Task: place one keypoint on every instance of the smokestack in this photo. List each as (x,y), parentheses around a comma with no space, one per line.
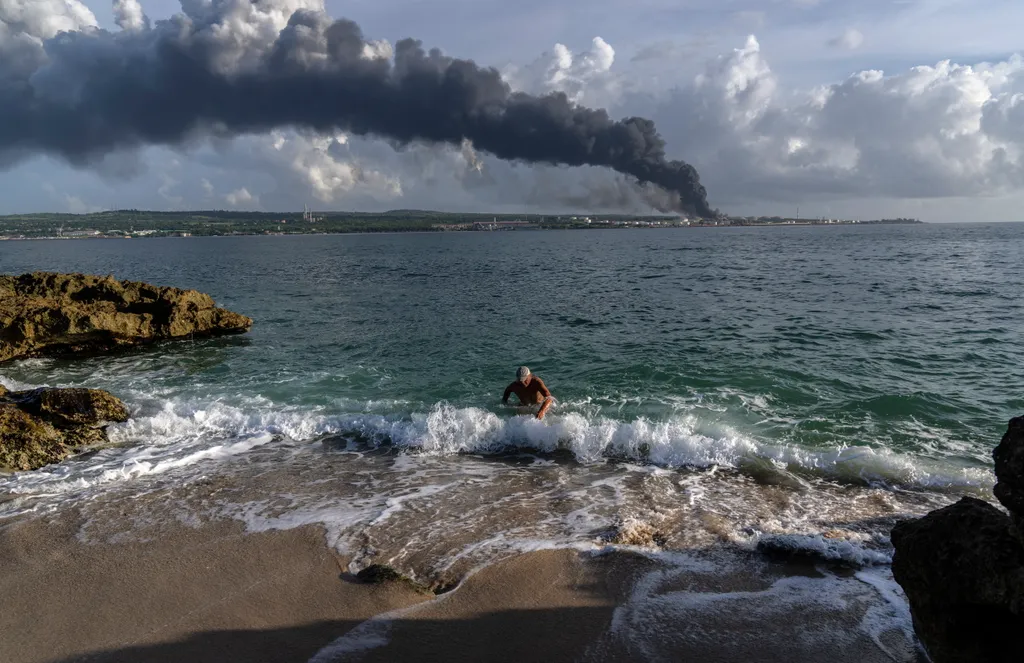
(97,91)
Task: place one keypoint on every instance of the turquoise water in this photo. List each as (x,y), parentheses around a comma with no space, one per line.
(904,338)
(885,358)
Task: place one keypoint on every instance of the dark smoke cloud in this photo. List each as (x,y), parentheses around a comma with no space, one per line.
(101,91)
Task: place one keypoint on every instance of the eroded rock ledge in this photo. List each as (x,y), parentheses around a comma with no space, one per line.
(50,314)
(44,426)
(962,568)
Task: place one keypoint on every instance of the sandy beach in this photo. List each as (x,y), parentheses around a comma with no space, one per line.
(214,593)
(192,594)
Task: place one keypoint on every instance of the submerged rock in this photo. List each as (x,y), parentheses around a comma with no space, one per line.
(636,533)
(50,314)
(44,426)
(962,568)
(376,574)
(381,574)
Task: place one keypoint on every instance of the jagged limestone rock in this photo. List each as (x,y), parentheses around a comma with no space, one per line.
(27,442)
(50,314)
(962,568)
(44,426)
(69,408)
(1009,458)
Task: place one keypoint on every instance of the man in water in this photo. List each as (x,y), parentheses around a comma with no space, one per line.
(531,390)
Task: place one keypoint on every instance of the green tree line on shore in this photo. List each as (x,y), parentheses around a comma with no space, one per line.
(222,222)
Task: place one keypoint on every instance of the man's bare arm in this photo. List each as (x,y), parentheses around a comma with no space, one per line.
(508,392)
(548,400)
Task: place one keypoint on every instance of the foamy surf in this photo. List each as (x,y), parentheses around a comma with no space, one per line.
(120,465)
(687,604)
(182,433)
(456,487)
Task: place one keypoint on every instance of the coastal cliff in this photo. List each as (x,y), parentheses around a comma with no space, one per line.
(962,568)
(50,314)
(44,426)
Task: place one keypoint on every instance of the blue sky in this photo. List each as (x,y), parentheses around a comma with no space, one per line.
(770,122)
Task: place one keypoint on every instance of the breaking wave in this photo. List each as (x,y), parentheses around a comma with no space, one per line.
(179,433)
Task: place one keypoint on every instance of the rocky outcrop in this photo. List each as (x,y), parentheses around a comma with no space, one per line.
(962,568)
(44,426)
(48,314)
(1009,489)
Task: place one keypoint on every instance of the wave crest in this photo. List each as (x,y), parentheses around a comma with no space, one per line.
(174,434)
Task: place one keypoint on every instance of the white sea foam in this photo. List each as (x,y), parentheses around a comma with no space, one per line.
(340,521)
(15,385)
(649,623)
(371,634)
(421,507)
(894,613)
(394,504)
(677,442)
(121,464)
(192,420)
(818,547)
(183,432)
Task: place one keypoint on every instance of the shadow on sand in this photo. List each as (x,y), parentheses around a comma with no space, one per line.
(561,634)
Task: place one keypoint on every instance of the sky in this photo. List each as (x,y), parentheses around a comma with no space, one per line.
(877,108)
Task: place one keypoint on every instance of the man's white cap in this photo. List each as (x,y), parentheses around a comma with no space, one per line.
(522,372)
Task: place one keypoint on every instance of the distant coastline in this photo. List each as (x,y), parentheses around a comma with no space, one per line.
(130,224)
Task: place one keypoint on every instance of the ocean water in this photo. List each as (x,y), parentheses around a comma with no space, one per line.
(803,385)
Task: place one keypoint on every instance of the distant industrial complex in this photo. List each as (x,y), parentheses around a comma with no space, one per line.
(127,224)
(546,223)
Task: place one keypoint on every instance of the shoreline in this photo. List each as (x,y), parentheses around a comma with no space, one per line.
(443,232)
(212,592)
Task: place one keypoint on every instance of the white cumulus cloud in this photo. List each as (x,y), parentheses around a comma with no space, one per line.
(128,15)
(26,24)
(322,167)
(240,197)
(44,18)
(932,131)
(580,76)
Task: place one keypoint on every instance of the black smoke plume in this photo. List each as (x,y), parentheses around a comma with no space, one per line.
(100,91)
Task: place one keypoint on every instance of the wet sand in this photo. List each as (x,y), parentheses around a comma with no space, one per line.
(214,593)
(206,594)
